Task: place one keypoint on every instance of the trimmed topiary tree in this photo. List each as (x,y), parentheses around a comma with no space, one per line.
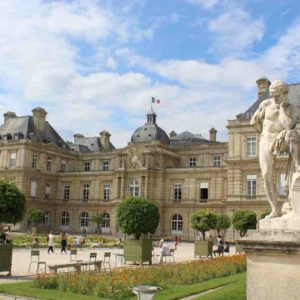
(137,216)
(12,203)
(36,217)
(223,222)
(243,220)
(203,220)
(98,219)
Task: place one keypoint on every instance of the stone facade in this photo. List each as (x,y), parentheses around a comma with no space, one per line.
(180,172)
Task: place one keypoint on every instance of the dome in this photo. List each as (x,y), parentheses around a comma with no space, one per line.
(150,131)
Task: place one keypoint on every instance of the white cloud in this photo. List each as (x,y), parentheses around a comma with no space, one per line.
(206,4)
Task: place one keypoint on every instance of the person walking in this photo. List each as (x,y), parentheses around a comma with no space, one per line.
(63,243)
(50,240)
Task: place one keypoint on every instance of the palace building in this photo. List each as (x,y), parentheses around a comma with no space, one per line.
(181,172)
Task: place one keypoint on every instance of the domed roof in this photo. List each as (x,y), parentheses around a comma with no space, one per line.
(150,131)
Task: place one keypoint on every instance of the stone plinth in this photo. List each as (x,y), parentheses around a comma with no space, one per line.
(273,264)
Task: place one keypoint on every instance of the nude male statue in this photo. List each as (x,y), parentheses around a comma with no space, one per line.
(276,120)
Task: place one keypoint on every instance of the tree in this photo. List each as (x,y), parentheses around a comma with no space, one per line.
(243,220)
(223,222)
(264,214)
(97,219)
(137,216)
(12,203)
(36,216)
(203,220)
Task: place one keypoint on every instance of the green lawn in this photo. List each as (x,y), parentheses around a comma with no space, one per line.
(233,288)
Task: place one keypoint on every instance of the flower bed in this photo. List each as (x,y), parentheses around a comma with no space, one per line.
(115,284)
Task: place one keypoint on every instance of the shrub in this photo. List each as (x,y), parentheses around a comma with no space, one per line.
(203,220)
(243,220)
(137,216)
(12,203)
(223,222)
(36,216)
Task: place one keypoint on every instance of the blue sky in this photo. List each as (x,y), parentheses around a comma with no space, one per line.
(94,65)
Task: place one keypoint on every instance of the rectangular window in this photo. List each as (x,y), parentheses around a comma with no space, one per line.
(12,160)
(49,163)
(86,192)
(203,192)
(251,185)
(105,166)
(177,192)
(282,184)
(66,192)
(63,165)
(192,162)
(33,189)
(47,191)
(34,161)
(87,165)
(106,191)
(217,161)
(134,188)
(251,146)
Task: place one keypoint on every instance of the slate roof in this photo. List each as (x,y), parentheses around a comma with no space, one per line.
(89,144)
(188,138)
(23,127)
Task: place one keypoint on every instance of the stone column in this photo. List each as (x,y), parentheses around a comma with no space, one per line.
(122,188)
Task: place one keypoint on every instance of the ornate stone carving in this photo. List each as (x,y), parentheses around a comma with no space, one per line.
(136,159)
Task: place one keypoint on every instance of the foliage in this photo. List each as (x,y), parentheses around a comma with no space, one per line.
(12,203)
(203,220)
(243,220)
(97,219)
(137,216)
(116,283)
(264,214)
(36,216)
(223,222)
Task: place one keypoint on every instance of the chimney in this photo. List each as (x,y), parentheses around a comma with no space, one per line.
(39,118)
(172,134)
(9,115)
(213,135)
(104,139)
(263,84)
(77,138)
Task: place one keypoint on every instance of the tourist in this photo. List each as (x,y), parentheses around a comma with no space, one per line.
(165,250)
(176,240)
(63,243)
(160,243)
(220,248)
(35,244)
(50,240)
(8,238)
(226,247)
(2,237)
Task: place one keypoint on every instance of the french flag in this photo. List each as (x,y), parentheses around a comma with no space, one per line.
(154,100)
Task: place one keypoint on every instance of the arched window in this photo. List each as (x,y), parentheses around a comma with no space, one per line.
(47,218)
(84,219)
(106,221)
(65,219)
(177,223)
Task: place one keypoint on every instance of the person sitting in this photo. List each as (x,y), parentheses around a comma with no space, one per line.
(165,250)
(35,244)
(226,247)
(119,243)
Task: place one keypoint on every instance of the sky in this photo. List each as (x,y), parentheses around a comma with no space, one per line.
(94,65)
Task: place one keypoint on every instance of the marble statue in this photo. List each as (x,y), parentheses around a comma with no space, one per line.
(276,120)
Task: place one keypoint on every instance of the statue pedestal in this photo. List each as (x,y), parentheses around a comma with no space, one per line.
(273,264)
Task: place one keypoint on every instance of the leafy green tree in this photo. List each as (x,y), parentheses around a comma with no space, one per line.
(97,219)
(264,214)
(203,220)
(12,203)
(137,216)
(36,217)
(243,220)
(223,222)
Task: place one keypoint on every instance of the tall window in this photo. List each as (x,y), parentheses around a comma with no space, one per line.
(49,163)
(87,166)
(106,191)
(86,192)
(282,184)
(63,166)
(33,187)
(84,219)
(192,162)
(203,192)
(251,146)
(46,218)
(177,191)
(47,191)
(134,188)
(34,161)
(177,223)
(65,219)
(66,192)
(105,221)
(217,161)
(251,185)
(105,166)
(12,160)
